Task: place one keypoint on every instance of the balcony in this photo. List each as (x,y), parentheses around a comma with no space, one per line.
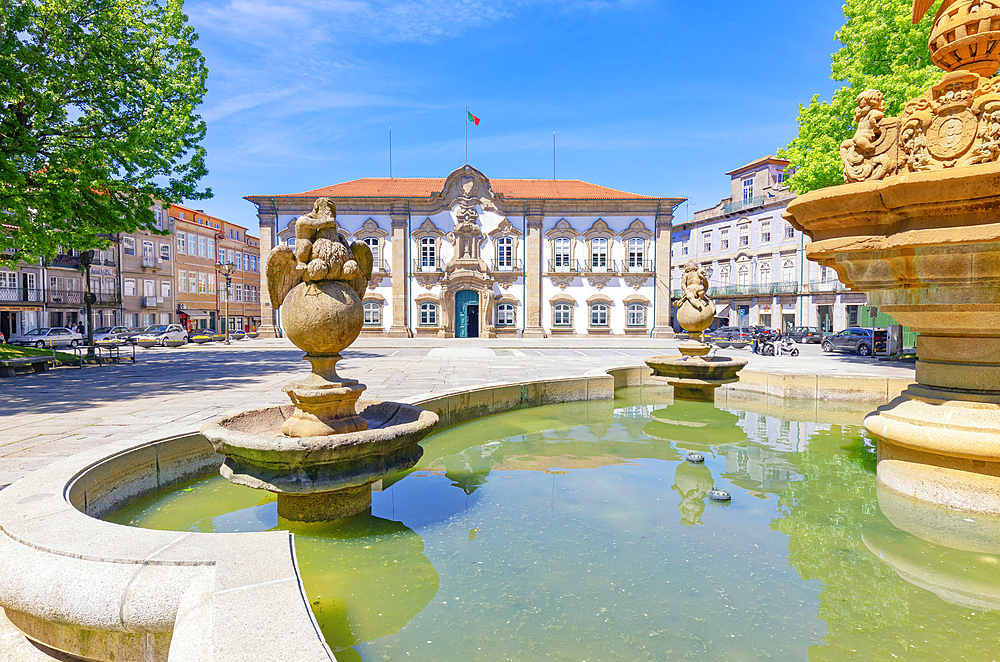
(21,295)
(829,285)
(755,289)
(64,297)
(107,298)
(566,266)
(152,302)
(739,205)
(428,266)
(381,267)
(636,267)
(509,266)
(149,262)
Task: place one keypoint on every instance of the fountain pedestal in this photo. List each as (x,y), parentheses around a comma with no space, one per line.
(695,375)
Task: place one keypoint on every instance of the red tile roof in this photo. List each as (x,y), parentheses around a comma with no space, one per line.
(767,160)
(420,187)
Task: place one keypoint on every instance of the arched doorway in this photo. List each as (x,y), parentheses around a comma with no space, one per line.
(467,314)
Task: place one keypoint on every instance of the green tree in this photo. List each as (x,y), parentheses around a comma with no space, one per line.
(97,119)
(882,50)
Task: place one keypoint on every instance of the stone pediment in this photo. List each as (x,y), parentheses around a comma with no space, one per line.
(467,187)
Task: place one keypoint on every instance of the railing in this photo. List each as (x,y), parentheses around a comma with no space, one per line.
(428,266)
(747,290)
(637,267)
(566,266)
(830,285)
(22,294)
(71,297)
(381,267)
(609,267)
(150,302)
(511,266)
(148,262)
(107,298)
(755,201)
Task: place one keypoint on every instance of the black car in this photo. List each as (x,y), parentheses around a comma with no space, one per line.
(729,336)
(856,339)
(805,334)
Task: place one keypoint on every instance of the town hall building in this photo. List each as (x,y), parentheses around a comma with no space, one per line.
(466,256)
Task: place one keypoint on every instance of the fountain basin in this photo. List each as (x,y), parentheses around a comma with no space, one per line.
(695,377)
(325,477)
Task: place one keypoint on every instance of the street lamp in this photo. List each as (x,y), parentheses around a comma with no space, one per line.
(227,270)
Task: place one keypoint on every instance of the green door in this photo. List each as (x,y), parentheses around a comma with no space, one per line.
(467,314)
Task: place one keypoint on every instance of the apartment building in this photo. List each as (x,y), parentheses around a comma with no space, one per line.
(195,235)
(147,274)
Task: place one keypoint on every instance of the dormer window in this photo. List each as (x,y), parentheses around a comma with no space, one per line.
(748,189)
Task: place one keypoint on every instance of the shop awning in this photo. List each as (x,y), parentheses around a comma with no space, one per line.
(10,308)
(196,314)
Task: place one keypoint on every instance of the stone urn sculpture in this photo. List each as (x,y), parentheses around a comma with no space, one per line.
(916,228)
(695,375)
(322,453)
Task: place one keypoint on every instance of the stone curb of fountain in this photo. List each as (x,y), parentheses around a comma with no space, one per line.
(192,591)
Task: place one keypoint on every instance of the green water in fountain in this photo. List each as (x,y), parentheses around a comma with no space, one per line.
(579,532)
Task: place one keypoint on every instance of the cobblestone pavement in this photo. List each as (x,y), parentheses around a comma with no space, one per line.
(170,391)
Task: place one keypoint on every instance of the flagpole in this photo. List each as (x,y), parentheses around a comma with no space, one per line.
(390,152)
(466,135)
(553,155)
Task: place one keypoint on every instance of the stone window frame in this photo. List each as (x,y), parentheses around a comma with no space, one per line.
(506,301)
(508,230)
(638,230)
(428,229)
(428,298)
(706,242)
(636,300)
(724,238)
(563,229)
(764,225)
(600,230)
(743,228)
(762,267)
(596,300)
(372,298)
(563,299)
(370,230)
(787,259)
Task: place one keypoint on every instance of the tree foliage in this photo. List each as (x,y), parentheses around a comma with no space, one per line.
(97,119)
(881,50)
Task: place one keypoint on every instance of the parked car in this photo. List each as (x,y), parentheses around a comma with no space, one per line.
(856,339)
(47,337)
(111,334)
(134,333)
(202,335)
(163,332)
(805,334)
(729,336)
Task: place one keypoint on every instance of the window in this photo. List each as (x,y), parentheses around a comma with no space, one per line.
(181,242)
(230,257)
(211,248)
(765,232)
(706,242)
(853,315)
(165,289)
(165,252)
(748,189)
(192,280)
(238,259)
(765,273)
(636,314)
(724,239)
(182,214)
(562,315)
(8,280)
(428,312)
(789,231)
(428,254)
(560,257)
(246,293)
(724,274)
(182,281)
(128,245)
(780,177)
(599,314)
(239,293)
(129,286)
(788,270)
(147,252)
(222,255)
(744,233)
(373,312)
(684,247)
(636,254)
(202,283)
(505,253)
(211,283)
(743,273)
(149,288)
(505,313)
(599,254)
(826,274)
(372,243)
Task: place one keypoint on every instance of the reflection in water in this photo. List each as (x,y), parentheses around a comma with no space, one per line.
(553,534)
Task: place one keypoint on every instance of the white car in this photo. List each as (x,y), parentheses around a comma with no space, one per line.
(55,336)
(162,333)
(111,334)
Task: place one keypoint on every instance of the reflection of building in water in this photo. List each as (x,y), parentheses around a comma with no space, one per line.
(792,436)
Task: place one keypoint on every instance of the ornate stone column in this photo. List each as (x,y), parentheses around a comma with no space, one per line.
(533,273)
(400,290)
(664,311)
(268,225)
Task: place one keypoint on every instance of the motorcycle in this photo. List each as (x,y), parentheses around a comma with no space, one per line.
(783,345)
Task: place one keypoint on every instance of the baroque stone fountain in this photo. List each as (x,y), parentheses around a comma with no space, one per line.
(917,227)
(698,372)
(322,453)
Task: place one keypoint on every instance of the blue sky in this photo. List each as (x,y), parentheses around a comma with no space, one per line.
(658,98)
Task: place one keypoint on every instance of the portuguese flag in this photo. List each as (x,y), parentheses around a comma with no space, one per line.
(473,118)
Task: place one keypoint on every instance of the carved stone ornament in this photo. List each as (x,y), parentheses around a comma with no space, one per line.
(599,280)
(506,278)
(428,279)
(635,281)
(695,311)
(376,279)
(562,280)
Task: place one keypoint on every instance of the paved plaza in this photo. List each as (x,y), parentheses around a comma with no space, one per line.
(172,391)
